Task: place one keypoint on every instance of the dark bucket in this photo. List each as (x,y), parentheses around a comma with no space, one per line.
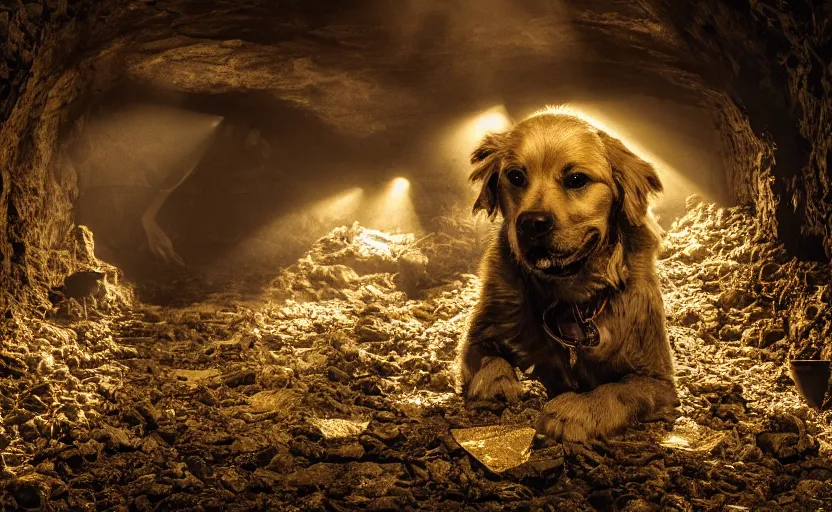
(811,377)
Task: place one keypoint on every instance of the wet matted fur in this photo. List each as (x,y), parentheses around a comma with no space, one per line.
(583,196)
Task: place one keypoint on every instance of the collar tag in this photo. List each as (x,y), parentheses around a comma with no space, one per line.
(573,357)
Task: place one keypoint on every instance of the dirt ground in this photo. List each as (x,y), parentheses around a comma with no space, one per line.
(334,390)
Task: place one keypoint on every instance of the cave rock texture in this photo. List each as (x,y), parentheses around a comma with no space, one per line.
(760,67)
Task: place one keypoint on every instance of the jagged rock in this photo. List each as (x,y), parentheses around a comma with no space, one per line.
(239,377)
(316,477)
(770,336)
(337,375)
(352,451)
(768,271)
(115,438)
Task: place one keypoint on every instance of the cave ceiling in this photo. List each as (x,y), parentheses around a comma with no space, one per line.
(364,67)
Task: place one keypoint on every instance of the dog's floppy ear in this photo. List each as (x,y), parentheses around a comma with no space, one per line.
(486,161)
(636,179)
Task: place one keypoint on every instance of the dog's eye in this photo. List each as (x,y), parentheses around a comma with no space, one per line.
(516,177)
(576,180)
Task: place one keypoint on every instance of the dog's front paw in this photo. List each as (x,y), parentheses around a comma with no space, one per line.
(571,417)
(496,377)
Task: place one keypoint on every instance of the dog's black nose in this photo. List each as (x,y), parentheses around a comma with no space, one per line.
(535,224)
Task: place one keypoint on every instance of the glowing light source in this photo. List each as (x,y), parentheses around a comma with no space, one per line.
(492,120)
(399,187)
(466,134)
(393,210)
(471,131)
(461,138)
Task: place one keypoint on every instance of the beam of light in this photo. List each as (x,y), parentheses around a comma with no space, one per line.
(452,148)
(399,188)
(676,186)
(338,208)
(341,207)
(141,146)
(493,120)
(393,210)
(459,140)
(296,231)
(473,129)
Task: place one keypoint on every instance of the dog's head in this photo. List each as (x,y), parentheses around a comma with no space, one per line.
(566,190)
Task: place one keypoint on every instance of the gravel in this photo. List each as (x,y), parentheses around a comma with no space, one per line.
(335,390)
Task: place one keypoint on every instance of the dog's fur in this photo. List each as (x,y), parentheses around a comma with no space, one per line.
(629,375)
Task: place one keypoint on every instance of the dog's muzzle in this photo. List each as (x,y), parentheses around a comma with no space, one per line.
(534,225)
(560,264)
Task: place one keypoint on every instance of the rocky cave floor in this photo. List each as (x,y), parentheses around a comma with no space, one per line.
(333,390)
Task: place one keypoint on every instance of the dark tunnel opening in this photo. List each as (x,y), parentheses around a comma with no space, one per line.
(240,270)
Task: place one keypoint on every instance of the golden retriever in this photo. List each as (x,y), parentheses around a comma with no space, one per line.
(569,289)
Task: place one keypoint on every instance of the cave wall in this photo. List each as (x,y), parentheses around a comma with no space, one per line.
(35,195)
(762,71)
(53,61)
(770,61)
